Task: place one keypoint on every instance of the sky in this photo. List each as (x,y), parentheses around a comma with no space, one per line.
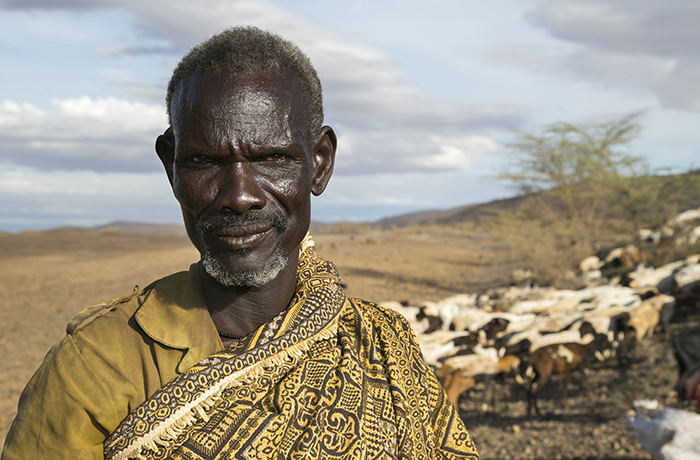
(424,96)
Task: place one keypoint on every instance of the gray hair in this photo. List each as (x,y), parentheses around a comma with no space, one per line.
(273,266)
(249,50)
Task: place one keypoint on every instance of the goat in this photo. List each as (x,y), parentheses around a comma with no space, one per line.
(531,340)
(461,373)
(590,263)
(455,385)
(611,327)
(470,318)
(469,344)
(652,311)
(418,323)
(562,359)
(561,337)
(628,256)
(430,312)
(666,306)
(434,352)
(643,319)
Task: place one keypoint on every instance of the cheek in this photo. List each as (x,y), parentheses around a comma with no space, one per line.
(291,186)
(298,203)
(193,192)
(288,189)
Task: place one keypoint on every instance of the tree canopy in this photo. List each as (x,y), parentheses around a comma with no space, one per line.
(564,155)
(584,191)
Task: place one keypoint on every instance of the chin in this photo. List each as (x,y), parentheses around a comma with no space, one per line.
(254,277)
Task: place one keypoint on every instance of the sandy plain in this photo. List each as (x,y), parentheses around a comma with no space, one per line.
(47,278)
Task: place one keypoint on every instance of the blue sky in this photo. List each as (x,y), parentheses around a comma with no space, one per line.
(424,95)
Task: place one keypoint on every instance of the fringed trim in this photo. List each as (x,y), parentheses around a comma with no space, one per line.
(307,242)
(188,415)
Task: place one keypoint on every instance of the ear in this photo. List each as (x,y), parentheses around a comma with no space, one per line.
(165,148)
(323,160)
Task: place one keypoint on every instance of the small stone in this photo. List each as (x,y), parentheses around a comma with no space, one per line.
(516,428)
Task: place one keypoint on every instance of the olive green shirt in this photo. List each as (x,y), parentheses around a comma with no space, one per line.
(114,356)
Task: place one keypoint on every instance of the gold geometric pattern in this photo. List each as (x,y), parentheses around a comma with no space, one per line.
(329,378)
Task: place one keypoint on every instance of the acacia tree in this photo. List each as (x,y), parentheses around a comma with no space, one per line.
(577,165)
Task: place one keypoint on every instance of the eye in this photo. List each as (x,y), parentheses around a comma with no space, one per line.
(274,156)
(201,159)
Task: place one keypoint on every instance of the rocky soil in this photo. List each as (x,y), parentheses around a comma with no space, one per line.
(588,427)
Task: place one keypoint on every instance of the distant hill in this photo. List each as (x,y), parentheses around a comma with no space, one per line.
(142,227)
(670,193)
(473,213)
(131,227)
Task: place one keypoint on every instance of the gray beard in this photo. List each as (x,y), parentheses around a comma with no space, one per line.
(250,278)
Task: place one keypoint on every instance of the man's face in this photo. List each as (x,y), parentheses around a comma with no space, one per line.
(243,169)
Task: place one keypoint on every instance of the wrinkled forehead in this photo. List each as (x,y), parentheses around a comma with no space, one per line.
(250,105)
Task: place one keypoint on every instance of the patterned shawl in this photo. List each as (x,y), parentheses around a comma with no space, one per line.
(326,378)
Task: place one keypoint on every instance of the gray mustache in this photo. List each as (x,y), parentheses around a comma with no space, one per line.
(247,220)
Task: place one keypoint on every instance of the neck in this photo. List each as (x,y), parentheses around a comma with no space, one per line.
(240,310)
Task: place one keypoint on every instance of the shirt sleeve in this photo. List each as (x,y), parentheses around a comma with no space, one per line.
(63,410)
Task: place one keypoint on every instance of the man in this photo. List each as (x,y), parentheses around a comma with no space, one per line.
(255,352)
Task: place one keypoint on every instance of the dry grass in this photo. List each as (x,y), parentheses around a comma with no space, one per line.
(421,263)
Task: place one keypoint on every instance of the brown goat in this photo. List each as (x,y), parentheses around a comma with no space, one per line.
(562,359)
(457,381)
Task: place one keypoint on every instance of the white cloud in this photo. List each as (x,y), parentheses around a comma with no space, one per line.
(392,150)
(628,70)
(13,114)
(18,181)
(457,153)
(619,68)
(655,27)
(573,13)
(81,133)
(652,45)
(681,87)
(124,114)
(388,122)
(32,198)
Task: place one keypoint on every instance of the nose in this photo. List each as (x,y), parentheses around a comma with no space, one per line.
(239,190)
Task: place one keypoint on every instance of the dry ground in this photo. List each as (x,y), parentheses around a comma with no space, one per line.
(47,278)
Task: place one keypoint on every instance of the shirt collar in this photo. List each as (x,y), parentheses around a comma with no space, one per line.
(173,312)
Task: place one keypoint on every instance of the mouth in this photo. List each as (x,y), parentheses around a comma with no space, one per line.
(240,232)
(236,238)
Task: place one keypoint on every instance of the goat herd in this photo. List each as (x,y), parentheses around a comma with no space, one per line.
(534,333)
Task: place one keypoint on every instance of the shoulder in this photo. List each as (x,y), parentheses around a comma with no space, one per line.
(386,327)
(93,312)
(90,380)
(117,312)
(377,314)
(109,331)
